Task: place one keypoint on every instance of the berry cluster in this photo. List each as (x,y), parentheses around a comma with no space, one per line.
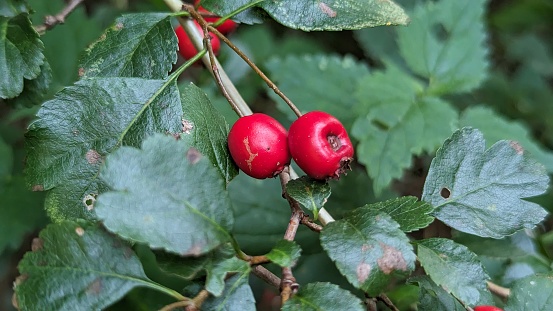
(317,142)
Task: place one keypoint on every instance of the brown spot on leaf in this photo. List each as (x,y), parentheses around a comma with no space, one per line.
(89,201)
(81,72)
(127,252)
(95,287)
(193,155)
(363,271)
(391,260)
(518,148)
(93,157)
(187,126)
(79,231)
(118,26)
(37,244)
(15,304)
(38,188)
(195,250)
(365,248)
(327,10)
(20,279)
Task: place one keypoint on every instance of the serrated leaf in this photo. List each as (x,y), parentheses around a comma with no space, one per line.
(77,266)
(167,195)
(455,268)
(310,193)
(433,297)
(445,44)
(480,191)
(495,128)
(531,293)
(141,45)
(237,296)
(206,129)
(305,81)
(368,248)
(34,90)
(20,54)
(82,124)
(285,253)
(323,297)
(410,213)
(11,8)
(397,123)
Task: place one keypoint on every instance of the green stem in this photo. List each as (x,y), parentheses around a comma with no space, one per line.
(237,11)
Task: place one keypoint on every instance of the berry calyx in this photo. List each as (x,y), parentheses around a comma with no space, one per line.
(320,145)
(258,145)
(487,308)
(187,48)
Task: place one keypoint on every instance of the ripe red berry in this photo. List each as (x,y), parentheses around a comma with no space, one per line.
(320,145)
(186,47)
(258,145)
(487,308)
(225,28)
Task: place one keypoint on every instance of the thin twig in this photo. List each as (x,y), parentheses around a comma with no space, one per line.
(50,21)
(258,71)
(308,222)
(266,276)
(387,302)
(499,291)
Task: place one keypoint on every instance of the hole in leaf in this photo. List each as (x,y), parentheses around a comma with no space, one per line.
(441,33)
(445,193)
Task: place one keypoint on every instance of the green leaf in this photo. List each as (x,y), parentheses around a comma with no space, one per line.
(517,245)
(34,90)
(78,266)
(250,16)
(140,45)
(285,253)
(495,128)
(433,297)
(397,123)
(206,129)
(455,268)
(21,211)
(305,81)
(531,293)
(20,54)
(369,249)
(167,195)
(215,282)
(445,44)
(237,296)
(480,191)
(408,212)
(82,124)
(310,193)
(11,8)
(323,297)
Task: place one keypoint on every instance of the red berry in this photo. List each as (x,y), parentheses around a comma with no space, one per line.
(258,145)
(186,47)
(487,308)
(225,28)
(320,145)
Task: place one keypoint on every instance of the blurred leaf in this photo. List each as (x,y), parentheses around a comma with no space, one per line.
(82,124)
(379,43)
(206,129)
(397,123)
(11,8)
(34,90)
(368,248)
(310,193)
(480,191)
(141,45)
(323,297)
(433,297)
(78,266)
(523,267)
(408,212)
(215,282)
(455,268)
(445,43)
(285,253)
(237,296)
(330,15)
(167,195)
(305,81)
(6,160)
(20,54)
(496,128)
(21,212)
(532,51)
(532,293)
(514,246)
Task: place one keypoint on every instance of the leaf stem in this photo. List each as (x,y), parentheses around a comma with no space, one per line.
(499,291)
(50,21)
(178,304)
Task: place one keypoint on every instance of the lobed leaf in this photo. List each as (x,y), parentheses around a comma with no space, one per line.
(368,248)
(35,90)
(237,296)
(481,191)
(167,195)
(285,253)
(455,268)
(408,212)
(433,297)
(445,44)
(141,45)
(323,297)
(310,193)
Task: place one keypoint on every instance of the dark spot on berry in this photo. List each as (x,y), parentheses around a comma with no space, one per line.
(334,142)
